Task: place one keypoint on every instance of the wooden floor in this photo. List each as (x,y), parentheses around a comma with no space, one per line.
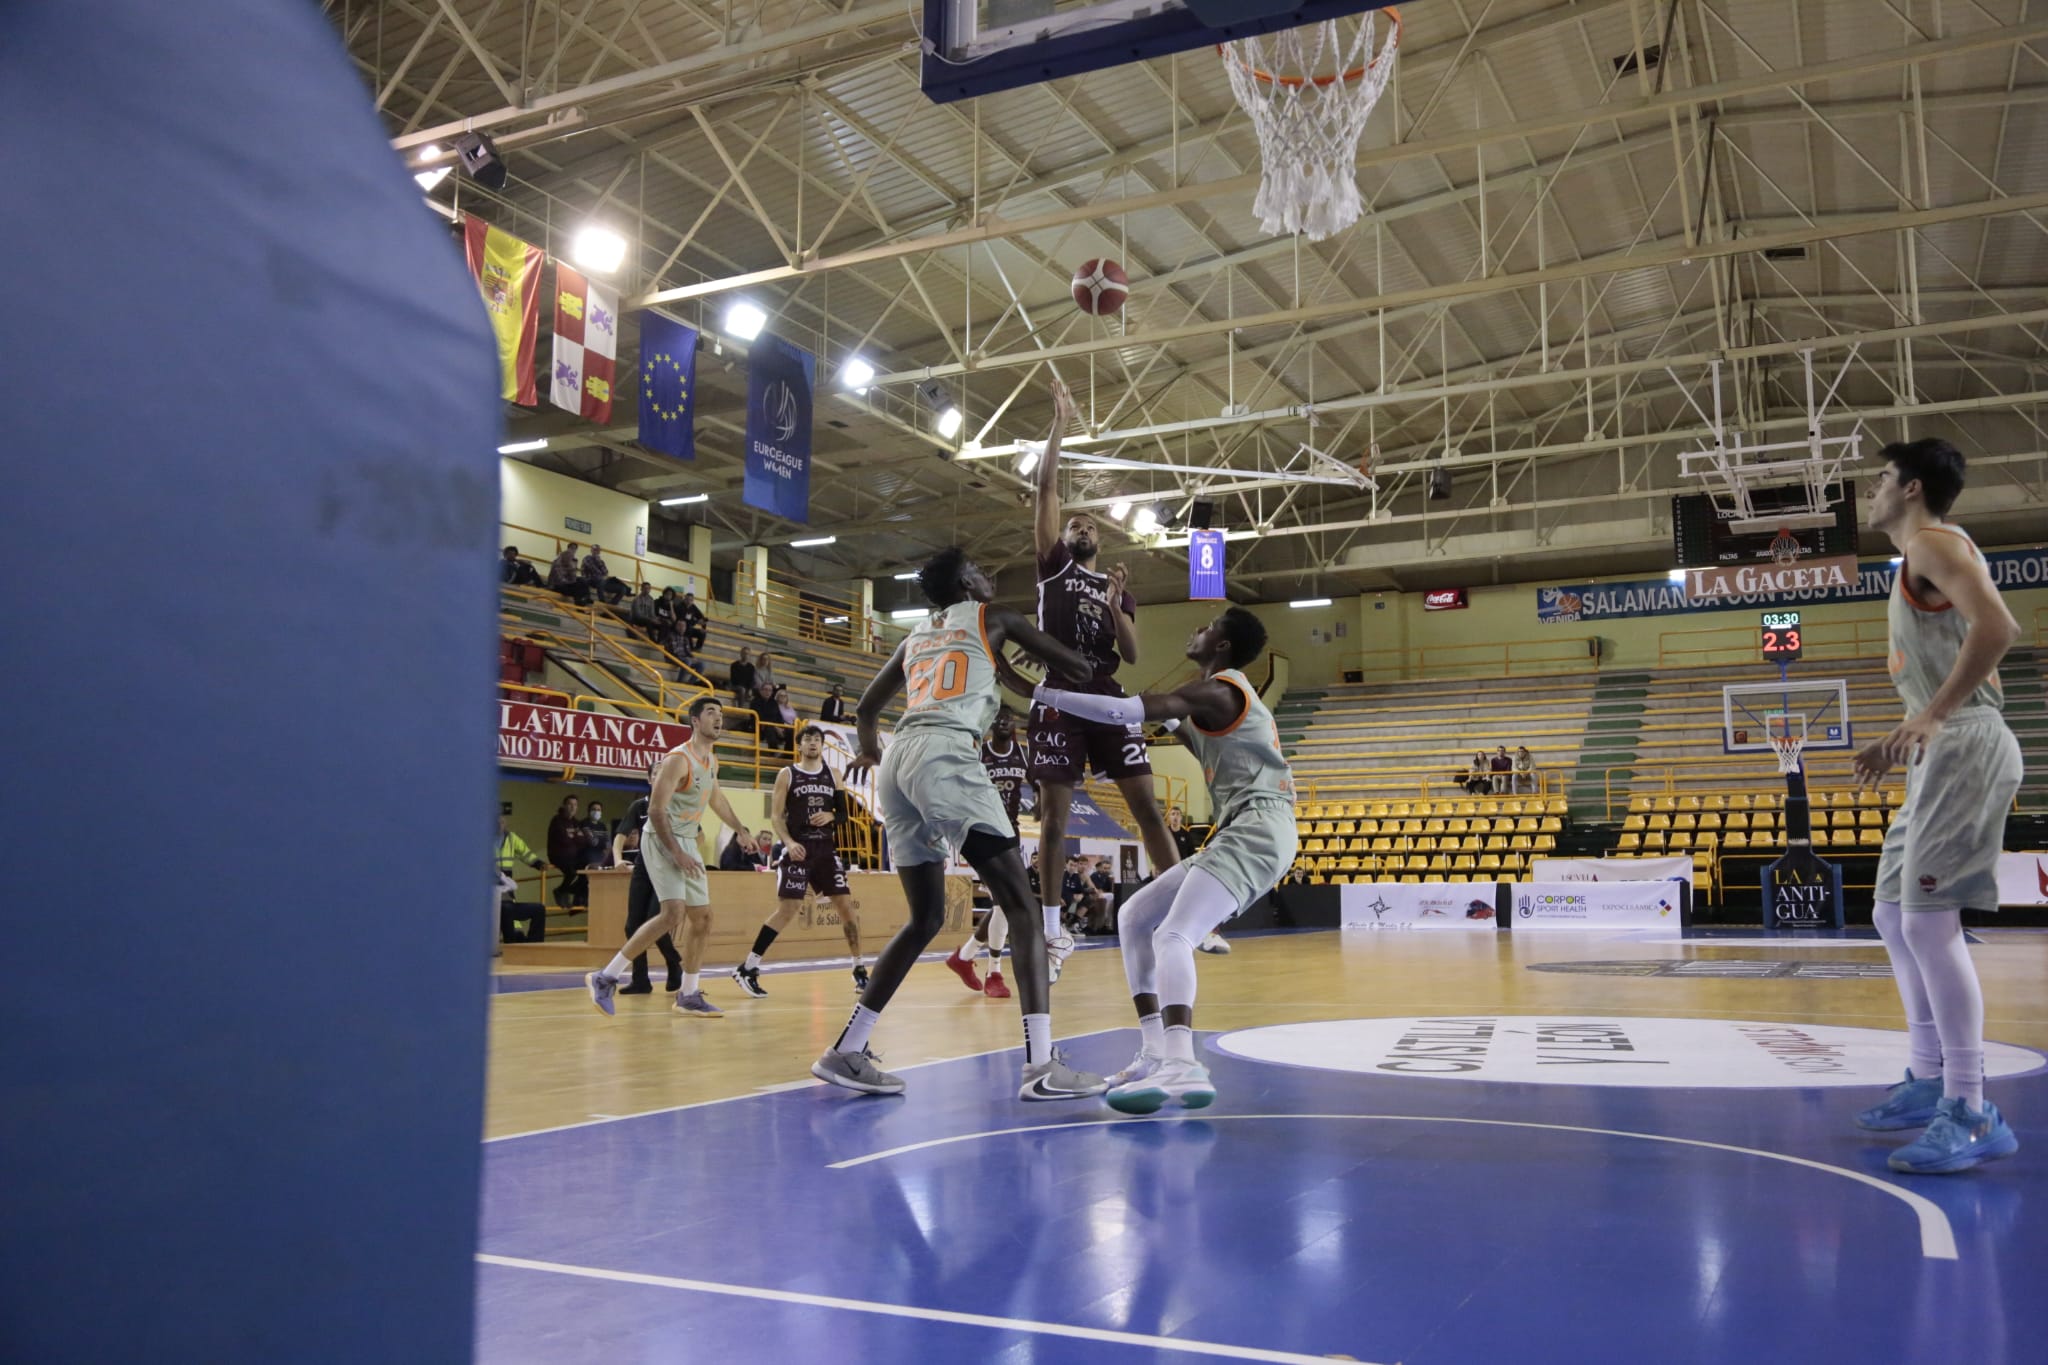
(556,1061)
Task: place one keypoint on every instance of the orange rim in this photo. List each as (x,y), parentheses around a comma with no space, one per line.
(1346,77)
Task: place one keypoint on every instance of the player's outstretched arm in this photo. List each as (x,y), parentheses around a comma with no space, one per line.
(1046,526)
(1211,704)
(867,716)
(1007,626)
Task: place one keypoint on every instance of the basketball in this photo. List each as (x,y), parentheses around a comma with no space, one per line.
(1100,287)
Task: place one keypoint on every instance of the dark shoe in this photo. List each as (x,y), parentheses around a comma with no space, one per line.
(675,983)
(637,988)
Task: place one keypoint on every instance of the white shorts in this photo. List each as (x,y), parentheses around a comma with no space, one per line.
(1941,852)
(672,883)
(1253,850)
(933,792)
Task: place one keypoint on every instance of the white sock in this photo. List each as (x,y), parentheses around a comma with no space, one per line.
(1052,921)
(1180,1043)
(1943,957)
(617,968)
(1037,1039)
(998,935)
(858,1030)
(1152,1034)
(753,961)
(690,986)
(1923,1040)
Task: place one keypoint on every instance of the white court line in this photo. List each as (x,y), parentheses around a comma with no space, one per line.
(894,1310)
(595,1120)
(1937,1237)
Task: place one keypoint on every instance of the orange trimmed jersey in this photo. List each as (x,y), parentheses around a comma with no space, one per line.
(1242,763)
(1926,638)
(949,672)
(693,794)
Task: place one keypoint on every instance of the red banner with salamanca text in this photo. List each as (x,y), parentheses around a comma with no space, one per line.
(531,735)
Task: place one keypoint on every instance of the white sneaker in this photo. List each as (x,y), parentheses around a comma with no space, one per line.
(1055,1080)
(1057,950)
(1142,1065)
(1187,1082)
(1215,943)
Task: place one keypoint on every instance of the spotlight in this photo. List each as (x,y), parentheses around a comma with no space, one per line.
(744,320)
(598,249)
(1146,522)
(856,374)
(949,422)
(1028,461)
(1119,509)
(480,160)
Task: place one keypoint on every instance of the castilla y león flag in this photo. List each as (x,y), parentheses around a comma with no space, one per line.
(586,345)
(508,272)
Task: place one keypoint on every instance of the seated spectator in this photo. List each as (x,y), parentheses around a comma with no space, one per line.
(1478,778)
(740,678)
(771,848)
(597,578)
(1103,920)
(734,858)
(565,851)
(1525,770)
(1184,838)
(565,578)
(834,707)
(690,621)
(1502,767)
(644,613)
(778,720)
(597,839)
(764,672)
(512,850)
(516,571)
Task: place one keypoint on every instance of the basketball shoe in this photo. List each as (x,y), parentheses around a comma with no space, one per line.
(1053,1079)
(1187,1082)
(1960,1137)
(1909,1104)
(963,969)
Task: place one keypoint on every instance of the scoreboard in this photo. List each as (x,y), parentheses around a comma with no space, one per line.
(1781,637)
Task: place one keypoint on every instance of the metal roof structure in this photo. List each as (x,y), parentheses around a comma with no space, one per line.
(1564,230)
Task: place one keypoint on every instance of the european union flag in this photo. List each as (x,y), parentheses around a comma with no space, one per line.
(668,384)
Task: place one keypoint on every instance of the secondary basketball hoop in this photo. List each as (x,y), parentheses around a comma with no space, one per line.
(1309,92)
(1784,547)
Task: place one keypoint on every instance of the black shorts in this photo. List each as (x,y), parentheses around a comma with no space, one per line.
(1065,748)
(816,866)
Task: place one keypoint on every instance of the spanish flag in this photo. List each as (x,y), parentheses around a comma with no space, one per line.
(508,272)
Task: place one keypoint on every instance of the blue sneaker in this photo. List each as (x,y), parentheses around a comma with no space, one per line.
(602,989)
(1958,1139)
(697,1007)
(1909,1104)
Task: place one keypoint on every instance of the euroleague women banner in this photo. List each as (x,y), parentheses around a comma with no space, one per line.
(779,379)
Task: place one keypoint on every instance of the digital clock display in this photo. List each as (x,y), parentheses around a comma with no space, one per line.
(1781,640)
(1781,620)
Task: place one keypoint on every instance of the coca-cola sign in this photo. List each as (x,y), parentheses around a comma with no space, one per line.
(1445,599)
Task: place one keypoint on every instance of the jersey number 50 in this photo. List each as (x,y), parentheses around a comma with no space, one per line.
(938,679)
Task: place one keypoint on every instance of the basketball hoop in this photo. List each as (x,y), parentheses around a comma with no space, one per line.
(1309,94)
(1784,547)
(1787,736)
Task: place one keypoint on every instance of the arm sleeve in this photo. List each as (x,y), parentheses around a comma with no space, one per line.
(1105,710)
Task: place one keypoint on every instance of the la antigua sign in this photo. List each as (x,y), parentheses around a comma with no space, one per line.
(535,736)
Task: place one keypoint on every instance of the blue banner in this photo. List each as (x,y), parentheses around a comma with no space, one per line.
(668,386)
(779,379)
(1205,566)
(2010,569)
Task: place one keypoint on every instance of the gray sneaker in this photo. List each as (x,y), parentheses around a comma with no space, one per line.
(856,1071)
(1055,1080)
(602,989)
(697,1007)
(1058,949)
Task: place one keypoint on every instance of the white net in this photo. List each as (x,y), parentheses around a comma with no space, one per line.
(1787,734)
(1309,92)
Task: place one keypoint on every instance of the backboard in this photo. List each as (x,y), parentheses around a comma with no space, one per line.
(1752,714)
(977,47)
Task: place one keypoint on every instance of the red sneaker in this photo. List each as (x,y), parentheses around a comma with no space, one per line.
(995,989)
(964,970)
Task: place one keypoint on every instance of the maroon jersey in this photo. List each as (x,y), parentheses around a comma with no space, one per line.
(811,794)
(1006,769)
(1073,608)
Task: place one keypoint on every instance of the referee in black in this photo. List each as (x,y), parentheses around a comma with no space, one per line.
(641,904)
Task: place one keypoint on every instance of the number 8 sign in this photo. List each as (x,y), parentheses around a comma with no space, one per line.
(1205,566)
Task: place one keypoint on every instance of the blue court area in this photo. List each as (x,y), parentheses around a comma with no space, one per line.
(1313,1214)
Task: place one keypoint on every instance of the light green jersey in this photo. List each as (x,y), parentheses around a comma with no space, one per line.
(1925,639)
(693,793)
(950,672)
(1243,763)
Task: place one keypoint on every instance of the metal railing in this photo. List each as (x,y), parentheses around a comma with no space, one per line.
(1551,656)
(643,570)
(1411,783)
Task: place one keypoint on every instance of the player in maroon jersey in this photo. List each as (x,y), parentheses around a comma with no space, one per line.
(1089,610)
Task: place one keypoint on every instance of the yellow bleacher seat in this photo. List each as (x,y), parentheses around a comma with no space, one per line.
(1556,805)
(1715,801)
(1654,839)
(1894,797)
(1347,864)
(1465,862)
(1355,809)
(1522,841)
(1468,807)
(1708,838)
(1425,843)
(1416,862)
(1457,826)
(1433,827)
(1869,819)
(1346,827)
(1440,863)
(1496,842)
(1869,798)
(1471,843)
(1739,801)
(1666,803)
(1766,801)
(1817,797)
(1402,808)
(1551,825)
(1738,819)
(1380,810)
(1763,819)
(1358,844)
(1630,840)
(1411,827)
(1546,843)
(1368,827)
(1636,822)
(1411,877)
(1525,825)
(1457,877)
(1312,846)
(1639,805)
(1691,803)
(1511,807)
(1382,845)
(1737,838)
(1683,821)
(1660,821)
(1870,838)
(1308,810)
(1326,827)
(1489,862)
(1680,839)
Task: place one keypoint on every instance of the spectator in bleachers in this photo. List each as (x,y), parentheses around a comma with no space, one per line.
(735,858)
(512,850)
(1478,778)
(665,620)
(645,613)
(740,678)
(764,673)
(1525,769)
(1503,769)
(597,839)
(834,707)
(1103,881)
(597,578)
(778,730)
(1184,838)
(565,578)
(565,851)
(692,625)
(516,571)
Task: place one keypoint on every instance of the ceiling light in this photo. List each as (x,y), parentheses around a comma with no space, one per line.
(431,177)
(686,498)
(744,320)
(598,249)
(1146,522)
(949,422)
(909,613)
(430,153)
(809,541)
(1027,462)
(521,447)
(904,577)
(1119,509)
(856,374)
(1310,602)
